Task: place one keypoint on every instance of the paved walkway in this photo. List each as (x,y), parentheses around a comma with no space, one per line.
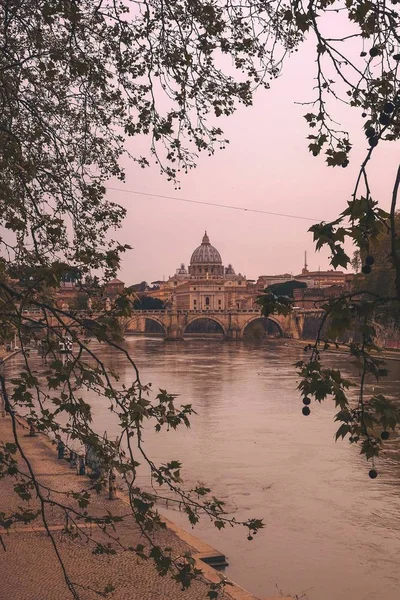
(29,569)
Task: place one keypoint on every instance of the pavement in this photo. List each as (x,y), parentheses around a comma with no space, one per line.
(29,567)
(6,354)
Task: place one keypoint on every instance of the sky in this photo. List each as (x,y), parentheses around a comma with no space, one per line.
(266,166)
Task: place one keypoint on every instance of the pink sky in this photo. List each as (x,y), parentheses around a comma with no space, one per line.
(266,166)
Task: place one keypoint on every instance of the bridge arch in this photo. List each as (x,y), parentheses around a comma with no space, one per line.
(145,318)
(205,318)
(263,320)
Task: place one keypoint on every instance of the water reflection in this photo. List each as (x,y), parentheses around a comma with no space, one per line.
(329,529)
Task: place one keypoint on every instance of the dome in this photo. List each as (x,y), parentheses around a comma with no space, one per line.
(181,270)
(229,270)
(206,254)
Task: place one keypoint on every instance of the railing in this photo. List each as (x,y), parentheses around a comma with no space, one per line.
(181,311)
(151,311)
(199,311)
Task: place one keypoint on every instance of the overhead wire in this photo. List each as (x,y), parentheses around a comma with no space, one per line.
(229,206)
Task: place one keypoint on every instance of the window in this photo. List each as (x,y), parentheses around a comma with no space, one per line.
(219,303)
(207,301)
(219,288)
(194,289)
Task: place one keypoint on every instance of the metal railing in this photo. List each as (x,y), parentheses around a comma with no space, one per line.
(199,311)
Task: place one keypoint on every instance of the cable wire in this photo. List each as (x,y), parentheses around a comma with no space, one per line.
(253,210)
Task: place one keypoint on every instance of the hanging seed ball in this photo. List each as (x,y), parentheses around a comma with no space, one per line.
(385,435)
(369,260)
(374,51)
(306,401)
(363,115)
(306,411)
(370,132)
(373,474)
(384,119)
(366,269)
(388,107)
(373,141)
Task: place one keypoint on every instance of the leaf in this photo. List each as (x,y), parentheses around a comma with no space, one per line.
(343,431)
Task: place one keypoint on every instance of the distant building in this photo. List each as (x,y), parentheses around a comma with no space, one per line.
(206,284)
(70,293)
(67,293)
(319,285)
(265,280)
(113,288)
(322,279)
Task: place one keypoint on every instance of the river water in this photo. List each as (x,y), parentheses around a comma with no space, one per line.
(331,532)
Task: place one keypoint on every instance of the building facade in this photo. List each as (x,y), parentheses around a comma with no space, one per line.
(206,284)
(322,279)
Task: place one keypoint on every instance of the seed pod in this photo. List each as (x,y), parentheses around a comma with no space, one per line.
(388,108)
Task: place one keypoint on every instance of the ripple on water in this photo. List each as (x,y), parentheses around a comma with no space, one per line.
(329,528)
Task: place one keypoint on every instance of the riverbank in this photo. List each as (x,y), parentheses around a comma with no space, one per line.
(29,566)
(386,354)
(5,355)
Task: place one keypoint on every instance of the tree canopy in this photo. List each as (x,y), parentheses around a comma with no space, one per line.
(148,303)
(286,288)
(77,79)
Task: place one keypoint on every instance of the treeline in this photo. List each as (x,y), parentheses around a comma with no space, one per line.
(380,279)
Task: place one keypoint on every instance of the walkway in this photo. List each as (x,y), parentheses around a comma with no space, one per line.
(29,569)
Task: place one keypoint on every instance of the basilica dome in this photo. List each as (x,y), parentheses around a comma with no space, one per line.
(206,261)
(206,254)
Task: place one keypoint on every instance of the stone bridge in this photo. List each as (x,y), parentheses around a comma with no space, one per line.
(174,323)
(233,323)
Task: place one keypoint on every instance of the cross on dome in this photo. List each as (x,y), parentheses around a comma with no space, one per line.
(206,239)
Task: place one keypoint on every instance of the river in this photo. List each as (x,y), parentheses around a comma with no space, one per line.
(330,532)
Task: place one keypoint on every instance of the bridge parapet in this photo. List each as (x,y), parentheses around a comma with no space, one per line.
(232,322)
(204,311)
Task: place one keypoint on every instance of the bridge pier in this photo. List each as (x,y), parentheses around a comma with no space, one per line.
(296,325)
(174,329)
(174,334)
(233,333)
